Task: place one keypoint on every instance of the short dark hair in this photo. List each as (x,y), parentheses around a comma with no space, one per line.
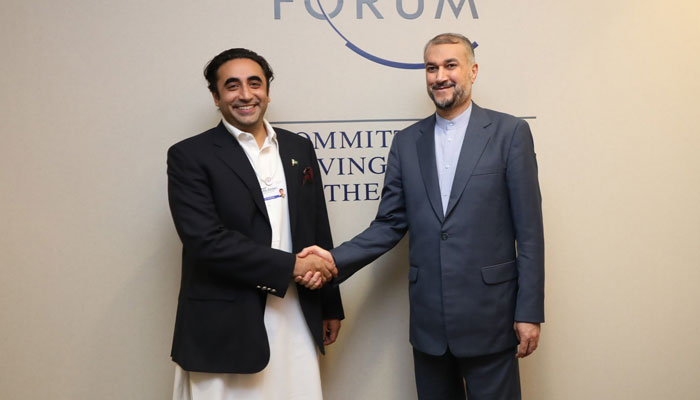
(212,67)
(453,38)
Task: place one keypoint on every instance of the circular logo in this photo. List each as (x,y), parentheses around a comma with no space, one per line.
(368,56)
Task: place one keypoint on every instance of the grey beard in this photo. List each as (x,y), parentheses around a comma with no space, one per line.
(446,104)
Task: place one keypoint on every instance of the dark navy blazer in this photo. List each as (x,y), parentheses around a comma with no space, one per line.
(228,266)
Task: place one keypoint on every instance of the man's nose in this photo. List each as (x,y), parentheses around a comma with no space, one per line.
(245,93)
(441,76)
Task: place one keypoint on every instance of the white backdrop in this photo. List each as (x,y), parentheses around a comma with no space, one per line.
(93,93)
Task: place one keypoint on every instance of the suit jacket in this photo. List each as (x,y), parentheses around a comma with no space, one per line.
(479,267)
(228,266)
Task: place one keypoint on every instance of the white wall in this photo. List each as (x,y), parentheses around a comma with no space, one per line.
(94,92)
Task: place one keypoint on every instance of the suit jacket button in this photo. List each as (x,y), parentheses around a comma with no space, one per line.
(444,236)
(273,290)
(258,287)
(264,288)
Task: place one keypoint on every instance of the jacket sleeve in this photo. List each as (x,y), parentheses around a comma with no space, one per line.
(387,228)
(526,209)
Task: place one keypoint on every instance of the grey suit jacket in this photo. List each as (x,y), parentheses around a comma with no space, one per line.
(479,267)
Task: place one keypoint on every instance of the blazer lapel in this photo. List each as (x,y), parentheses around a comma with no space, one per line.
(425,145)
(291,176)
(231,153)
(475,140)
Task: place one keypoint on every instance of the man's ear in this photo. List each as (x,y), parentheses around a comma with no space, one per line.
(475,70)
(216,98)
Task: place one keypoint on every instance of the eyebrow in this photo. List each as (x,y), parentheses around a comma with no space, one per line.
(253,78)
(449,60)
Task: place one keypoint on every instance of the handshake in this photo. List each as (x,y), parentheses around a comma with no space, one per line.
(314,267)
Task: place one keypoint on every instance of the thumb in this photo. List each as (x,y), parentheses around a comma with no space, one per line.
(307,251)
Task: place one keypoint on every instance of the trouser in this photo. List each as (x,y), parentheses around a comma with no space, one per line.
(488,377)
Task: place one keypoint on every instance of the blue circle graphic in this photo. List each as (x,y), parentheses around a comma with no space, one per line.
(372,57)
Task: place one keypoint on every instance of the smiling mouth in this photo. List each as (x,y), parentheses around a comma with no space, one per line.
(443,87)
(244,108)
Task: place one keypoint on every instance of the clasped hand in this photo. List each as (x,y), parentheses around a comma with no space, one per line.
(314,267)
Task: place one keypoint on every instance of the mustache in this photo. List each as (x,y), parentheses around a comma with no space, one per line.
(444,85)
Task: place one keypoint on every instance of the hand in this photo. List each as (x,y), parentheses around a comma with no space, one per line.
(330,331)
(529,335)
(325,254)
(312,271)
(311,280)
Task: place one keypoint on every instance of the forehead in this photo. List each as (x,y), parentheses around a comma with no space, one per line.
(438,53)
(241,69)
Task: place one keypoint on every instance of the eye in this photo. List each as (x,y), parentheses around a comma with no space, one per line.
(232,86)
(431,68)
(452,65)
(255,84)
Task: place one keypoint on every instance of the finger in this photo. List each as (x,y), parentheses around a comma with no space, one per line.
(311,285)
(326,272)
(532,347)
(315,250)
(325,331)
(326,255)
(523,349)
(305,252)
(316,281)
(321,280)
(310,281)
(334,327)
(305,279)
(308,276)
(330,332)
(333,332)
(321,252)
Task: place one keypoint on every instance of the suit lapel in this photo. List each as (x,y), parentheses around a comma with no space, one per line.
(475,140)
(425,145)
(291,176)
(231,153)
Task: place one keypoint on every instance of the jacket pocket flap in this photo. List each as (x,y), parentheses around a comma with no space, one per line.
(412,274)
(500,272)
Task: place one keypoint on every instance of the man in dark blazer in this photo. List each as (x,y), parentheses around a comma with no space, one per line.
(234,209)
(463,183)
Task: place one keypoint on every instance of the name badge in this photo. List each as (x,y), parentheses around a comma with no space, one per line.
(274,191)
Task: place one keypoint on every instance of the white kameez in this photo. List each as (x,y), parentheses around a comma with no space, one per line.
(293,371)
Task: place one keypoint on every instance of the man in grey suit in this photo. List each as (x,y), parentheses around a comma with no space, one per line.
(463,183)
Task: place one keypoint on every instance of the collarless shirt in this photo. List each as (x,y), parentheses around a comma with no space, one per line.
(449,136)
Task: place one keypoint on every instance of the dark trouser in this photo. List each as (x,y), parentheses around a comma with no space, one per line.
(489,377)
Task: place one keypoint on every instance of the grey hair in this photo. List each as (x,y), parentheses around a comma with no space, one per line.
(453,38)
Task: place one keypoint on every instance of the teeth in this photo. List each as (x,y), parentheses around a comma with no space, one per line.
(245,107)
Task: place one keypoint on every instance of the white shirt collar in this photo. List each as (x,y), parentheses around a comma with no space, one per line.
(242,135)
